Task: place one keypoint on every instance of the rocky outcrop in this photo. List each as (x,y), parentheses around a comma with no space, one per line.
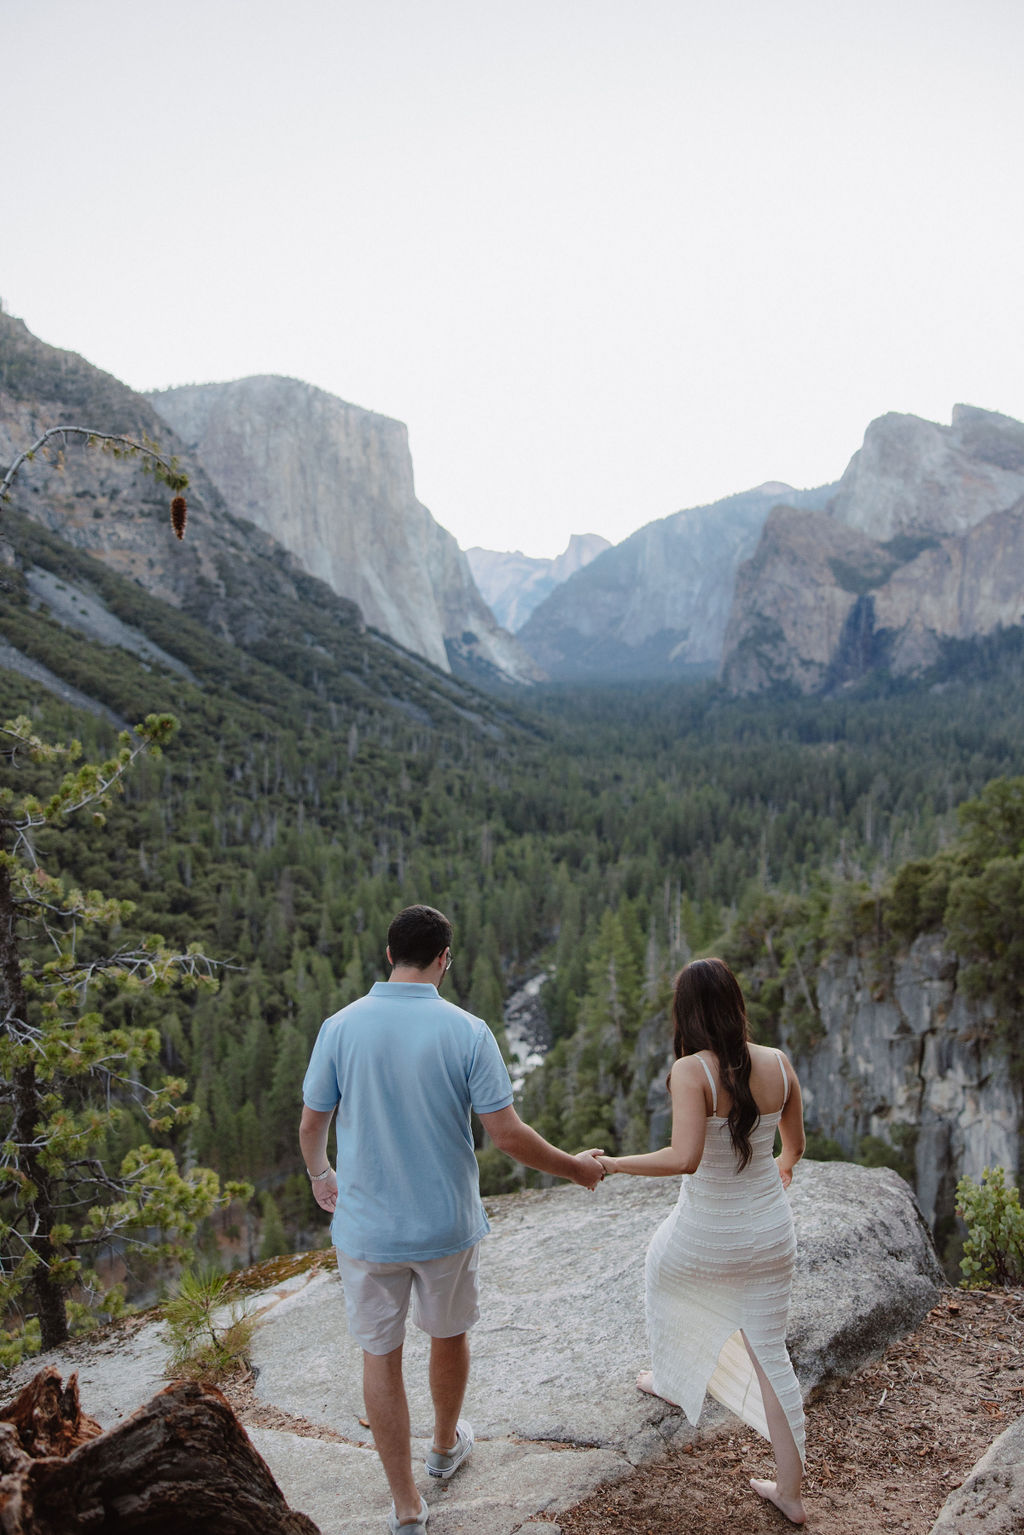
(903,1055)
(333,484)
(551,1394)
(922,544)
(657,604)
(514,584)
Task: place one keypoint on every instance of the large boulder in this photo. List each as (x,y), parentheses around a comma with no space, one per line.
(866,1268)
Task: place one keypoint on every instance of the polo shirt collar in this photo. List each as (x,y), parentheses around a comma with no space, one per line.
(395,989)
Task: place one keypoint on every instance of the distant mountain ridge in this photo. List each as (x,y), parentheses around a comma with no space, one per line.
(923,543)
(227,576)
(657,604)
(514,583)
(333,484)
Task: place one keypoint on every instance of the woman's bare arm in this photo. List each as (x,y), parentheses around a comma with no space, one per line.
(689,1126)
(791,1129)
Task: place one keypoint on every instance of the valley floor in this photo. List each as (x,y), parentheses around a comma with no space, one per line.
(885,1448)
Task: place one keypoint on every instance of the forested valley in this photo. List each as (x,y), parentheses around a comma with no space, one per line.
(596,836)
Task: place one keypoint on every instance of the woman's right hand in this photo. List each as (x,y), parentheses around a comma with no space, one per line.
(608,1163)
(785,1173)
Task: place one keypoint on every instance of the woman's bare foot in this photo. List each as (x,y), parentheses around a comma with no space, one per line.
(791,1507)
(645,1382)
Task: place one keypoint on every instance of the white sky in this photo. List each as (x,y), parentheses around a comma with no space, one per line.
(606,258)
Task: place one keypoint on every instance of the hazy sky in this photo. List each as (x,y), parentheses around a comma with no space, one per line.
(606,258)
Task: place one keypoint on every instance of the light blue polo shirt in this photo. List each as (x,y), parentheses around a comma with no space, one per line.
(404,1068)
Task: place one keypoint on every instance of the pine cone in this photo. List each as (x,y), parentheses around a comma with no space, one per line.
(179,516)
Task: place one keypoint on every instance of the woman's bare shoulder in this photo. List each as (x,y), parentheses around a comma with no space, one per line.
(688,1068)
(763,1053)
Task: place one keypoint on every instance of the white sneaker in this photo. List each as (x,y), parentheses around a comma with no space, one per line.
(418,1527)
(445,1464)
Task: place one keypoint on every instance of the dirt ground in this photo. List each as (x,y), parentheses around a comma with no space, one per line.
(884,1448)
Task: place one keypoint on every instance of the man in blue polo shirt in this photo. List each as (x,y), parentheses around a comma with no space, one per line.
(404,1069)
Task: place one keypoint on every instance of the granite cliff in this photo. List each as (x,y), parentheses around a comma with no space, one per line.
(903,1055)
(333,484)
(657,604)
(923,543)
(915,478)
(514,583)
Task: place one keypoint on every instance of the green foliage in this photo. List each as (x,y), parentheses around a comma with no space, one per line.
(77,1095)
(498,1173)
(994,1249)
(898,1153)
(273,1239)
(210,1338)
(974,890)
(822,1148)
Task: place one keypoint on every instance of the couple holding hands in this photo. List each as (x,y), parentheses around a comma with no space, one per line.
(404,1070)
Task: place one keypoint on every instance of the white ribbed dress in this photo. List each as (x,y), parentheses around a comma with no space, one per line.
(723,1261)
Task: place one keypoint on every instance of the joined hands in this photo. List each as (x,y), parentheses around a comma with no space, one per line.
(590,1171)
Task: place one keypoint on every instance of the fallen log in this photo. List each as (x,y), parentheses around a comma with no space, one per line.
(181,1463)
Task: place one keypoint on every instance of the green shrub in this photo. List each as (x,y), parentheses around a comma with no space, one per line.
(994,1250)
(209,1338)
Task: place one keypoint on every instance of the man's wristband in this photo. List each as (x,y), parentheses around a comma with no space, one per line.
(318,1177)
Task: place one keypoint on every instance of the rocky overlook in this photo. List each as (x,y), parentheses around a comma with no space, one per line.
(551,1395)
(333,484)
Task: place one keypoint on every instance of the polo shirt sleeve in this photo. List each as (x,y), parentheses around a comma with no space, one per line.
(490,1087)
(320,1088)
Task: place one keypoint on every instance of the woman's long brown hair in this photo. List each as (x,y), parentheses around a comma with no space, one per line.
(710,1014)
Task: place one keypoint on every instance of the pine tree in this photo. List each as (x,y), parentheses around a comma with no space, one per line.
(71,1078)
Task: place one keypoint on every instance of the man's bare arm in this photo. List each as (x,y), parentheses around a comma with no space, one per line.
(521,1141)
(313,1129)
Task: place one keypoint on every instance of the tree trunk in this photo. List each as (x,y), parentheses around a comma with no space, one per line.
(51,1310)
(181,1464)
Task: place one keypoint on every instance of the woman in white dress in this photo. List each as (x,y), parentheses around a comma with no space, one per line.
(720,1268)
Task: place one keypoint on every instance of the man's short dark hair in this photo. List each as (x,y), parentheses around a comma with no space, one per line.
(417,936)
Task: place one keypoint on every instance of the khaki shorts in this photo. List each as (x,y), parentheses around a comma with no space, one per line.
(443,1291)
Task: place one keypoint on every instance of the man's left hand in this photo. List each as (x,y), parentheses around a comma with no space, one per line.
(325,1192)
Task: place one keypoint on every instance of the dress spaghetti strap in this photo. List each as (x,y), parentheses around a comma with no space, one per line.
(785,1076)
(714,1089)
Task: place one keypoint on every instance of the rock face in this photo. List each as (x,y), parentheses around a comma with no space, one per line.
(915,478)
(514,584)
(902,1054)
(923,543)
(657,604)
(334,485)
(113,510)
